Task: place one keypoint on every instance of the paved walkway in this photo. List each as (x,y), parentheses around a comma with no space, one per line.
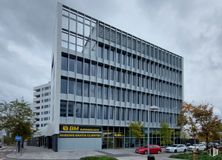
(42,153)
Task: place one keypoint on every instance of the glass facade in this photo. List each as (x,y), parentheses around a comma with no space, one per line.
(112,77)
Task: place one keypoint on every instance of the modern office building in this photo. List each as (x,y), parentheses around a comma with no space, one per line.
(42,105)
(103,79)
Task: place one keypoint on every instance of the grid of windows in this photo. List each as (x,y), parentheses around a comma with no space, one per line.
(102,91)
(105,112)
(103,63)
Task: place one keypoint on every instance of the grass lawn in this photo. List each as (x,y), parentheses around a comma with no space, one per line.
(98,158)
(201,156)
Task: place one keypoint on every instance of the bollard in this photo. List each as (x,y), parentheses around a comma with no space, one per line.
(150,157)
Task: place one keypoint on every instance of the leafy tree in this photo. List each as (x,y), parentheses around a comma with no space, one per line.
(209,124)
(165,133)
(16,118)
(200,121)
(186,120)
(136,129)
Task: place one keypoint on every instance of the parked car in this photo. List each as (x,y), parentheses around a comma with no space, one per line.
(154,149)
(198,147)
(176,148)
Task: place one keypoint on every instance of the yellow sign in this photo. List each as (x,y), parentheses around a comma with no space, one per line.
(78,128)
(80,135)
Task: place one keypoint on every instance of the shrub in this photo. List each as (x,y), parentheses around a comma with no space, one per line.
(98,158)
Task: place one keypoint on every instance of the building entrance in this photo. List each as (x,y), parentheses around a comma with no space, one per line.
(118,142)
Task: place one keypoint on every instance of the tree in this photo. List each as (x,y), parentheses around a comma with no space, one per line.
(209,124)
(16,118)
(200,121)
(136,129)
(165,134)
(186,120)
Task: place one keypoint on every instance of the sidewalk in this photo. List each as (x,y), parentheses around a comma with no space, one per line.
(31,152)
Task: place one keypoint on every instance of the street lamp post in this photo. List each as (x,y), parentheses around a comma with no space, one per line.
(151,108)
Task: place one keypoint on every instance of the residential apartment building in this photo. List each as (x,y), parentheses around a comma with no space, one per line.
(42,105)
(103,79)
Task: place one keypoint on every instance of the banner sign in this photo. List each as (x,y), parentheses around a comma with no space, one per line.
(79,128)
(80,135)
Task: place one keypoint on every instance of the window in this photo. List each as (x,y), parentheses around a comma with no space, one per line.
(79,66)
(64,62)
(117,113)
(71,109)
(92,90)
(86,89)
(63,108)
(111,112)
(72,64)
(72,25)
(99,92)
(93,69)
(86,68)
(111,74)
(65,22)
(78,110)
(101,30)
(99,71)
(71,86)
(106,55)
(111,55)
(93,109)
(106,112)
(105,92)
(86,111)
(79,88)
(63,85)
(100,112)
(100,52)
(105,73)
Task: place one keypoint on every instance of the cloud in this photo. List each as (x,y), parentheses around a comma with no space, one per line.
(191,28)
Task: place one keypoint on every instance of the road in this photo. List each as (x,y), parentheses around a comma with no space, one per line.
(4,151)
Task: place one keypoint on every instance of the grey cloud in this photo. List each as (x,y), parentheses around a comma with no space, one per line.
(192,29)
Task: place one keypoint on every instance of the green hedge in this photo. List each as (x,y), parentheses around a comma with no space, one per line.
(201,156)
(98,158)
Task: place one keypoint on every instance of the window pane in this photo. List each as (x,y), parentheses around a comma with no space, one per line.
(64,63)
(106,112)
(100,112)
(71,109)
(63,85)
(86,111)
(71,86)
(78,110)
(63,108)
(71,64)
(64,22)
(93,70)
(79,88)
(86,66)
(93,108)
(100,52)
(92,90)
(99,92)
(86,89)
(79,66)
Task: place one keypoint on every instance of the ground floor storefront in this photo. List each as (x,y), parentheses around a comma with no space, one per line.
(74,137)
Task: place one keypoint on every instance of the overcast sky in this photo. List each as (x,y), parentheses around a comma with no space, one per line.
(191,28)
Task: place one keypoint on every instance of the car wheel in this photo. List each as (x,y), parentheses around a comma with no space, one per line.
(158,152)
(145,152)
(185,150)
(175,151)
